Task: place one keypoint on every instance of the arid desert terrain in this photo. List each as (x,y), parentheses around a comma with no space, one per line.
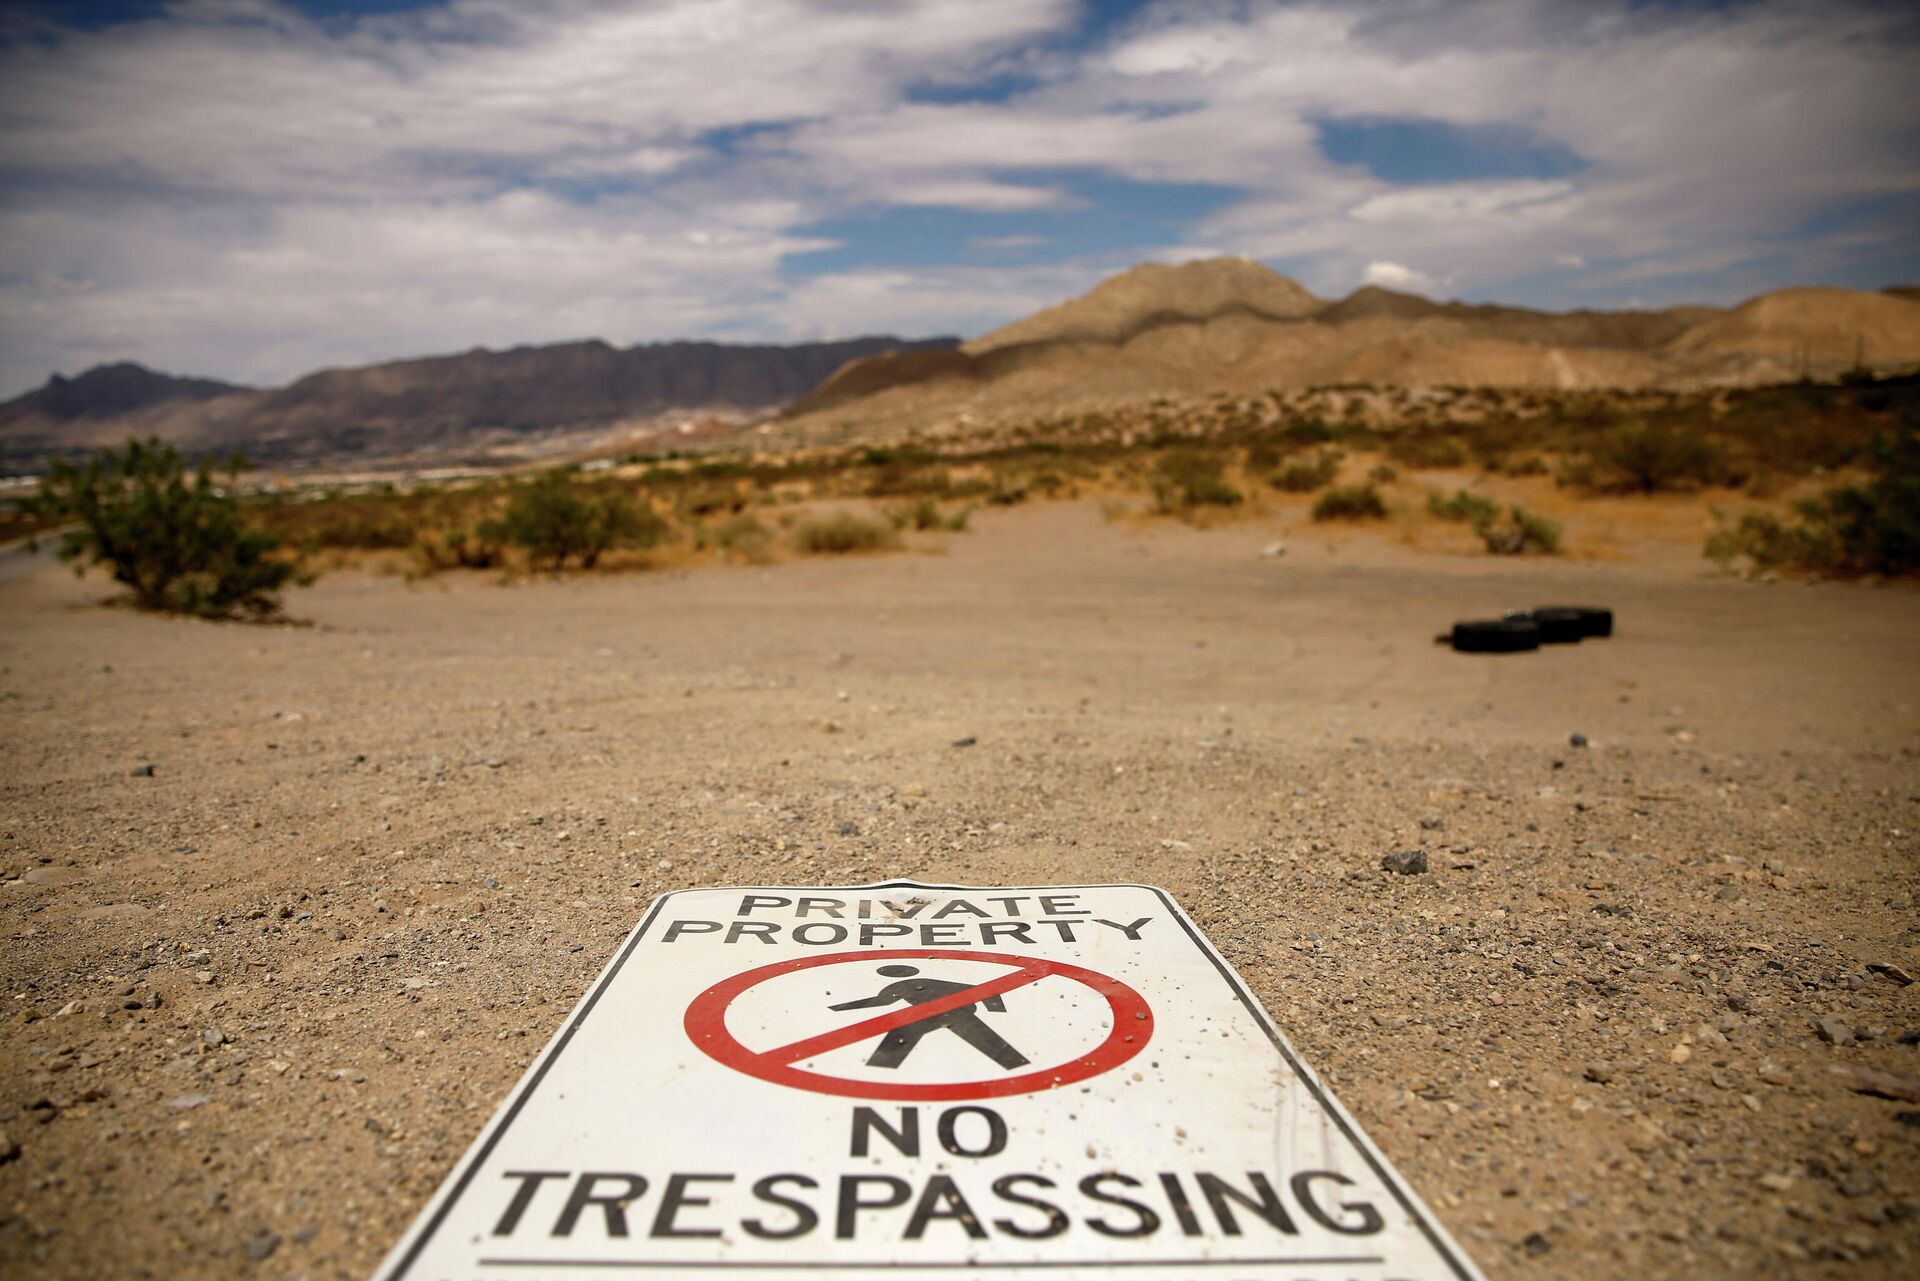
(289,909)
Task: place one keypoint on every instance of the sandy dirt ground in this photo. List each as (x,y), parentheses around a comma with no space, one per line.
(259,997)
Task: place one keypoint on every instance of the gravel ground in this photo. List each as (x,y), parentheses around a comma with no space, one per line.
(289,909)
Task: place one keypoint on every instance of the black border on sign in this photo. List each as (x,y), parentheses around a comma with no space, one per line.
(497,1128)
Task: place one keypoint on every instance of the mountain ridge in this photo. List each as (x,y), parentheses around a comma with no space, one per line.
(120,387)
(1226,326)
(437,401)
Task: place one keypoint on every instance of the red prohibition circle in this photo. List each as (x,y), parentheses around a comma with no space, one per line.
(706,1024)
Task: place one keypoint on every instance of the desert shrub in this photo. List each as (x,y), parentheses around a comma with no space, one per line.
(170,534)
(1050,483)
(365,524)
(1877,524)
(1464,505)
(458,546)
(1006,490)
(1493,438)
(720,469)
(922,515)
(890,455)
(1528,465)
(1425,449)
(1306,475)
(740,538)
(1188,478)
(839,534)
(1383,474)
(1871,527)
(1648,457)
(711,501)
(1520,533)
(1314,431)
(898,479)
(555,522)
(1770,542)
(378,521)
(1803,428)
(1262,456)
(1350,502)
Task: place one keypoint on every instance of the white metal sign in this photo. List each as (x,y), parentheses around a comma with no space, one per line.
(1061,1081)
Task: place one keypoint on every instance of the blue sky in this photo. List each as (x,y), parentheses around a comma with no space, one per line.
(249,189)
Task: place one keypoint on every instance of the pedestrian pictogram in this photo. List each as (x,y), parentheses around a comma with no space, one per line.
(1065,1082)
(964,1020)
(945,993)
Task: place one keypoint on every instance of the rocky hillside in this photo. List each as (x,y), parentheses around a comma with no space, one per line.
(106,391)
(1153,295)
(435,402)
(1233,326)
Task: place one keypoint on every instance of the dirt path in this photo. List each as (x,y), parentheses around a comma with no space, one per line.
(378,858)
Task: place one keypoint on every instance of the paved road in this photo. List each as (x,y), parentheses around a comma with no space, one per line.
(18,560)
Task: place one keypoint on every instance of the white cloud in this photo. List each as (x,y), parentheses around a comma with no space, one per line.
(1484,204)
(252,96)
(954,300)
(1393,275)
(1004,243)
(976,193)
(320,284)
(234,189)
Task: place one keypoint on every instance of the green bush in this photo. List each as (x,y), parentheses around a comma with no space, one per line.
(458,546)
(1306,475)
(1427,449)
(169,534)
(840,534)
(1521,533)
(1350,502)
(711,501)
(1770,542)
(1464,505)
(1051,484)
(1867,528)
(555,522)
(1188,478)
(1648,457)
(920,515)
(359,524)
(741,538)
(899,479)
(1007,490)
(1314,431)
